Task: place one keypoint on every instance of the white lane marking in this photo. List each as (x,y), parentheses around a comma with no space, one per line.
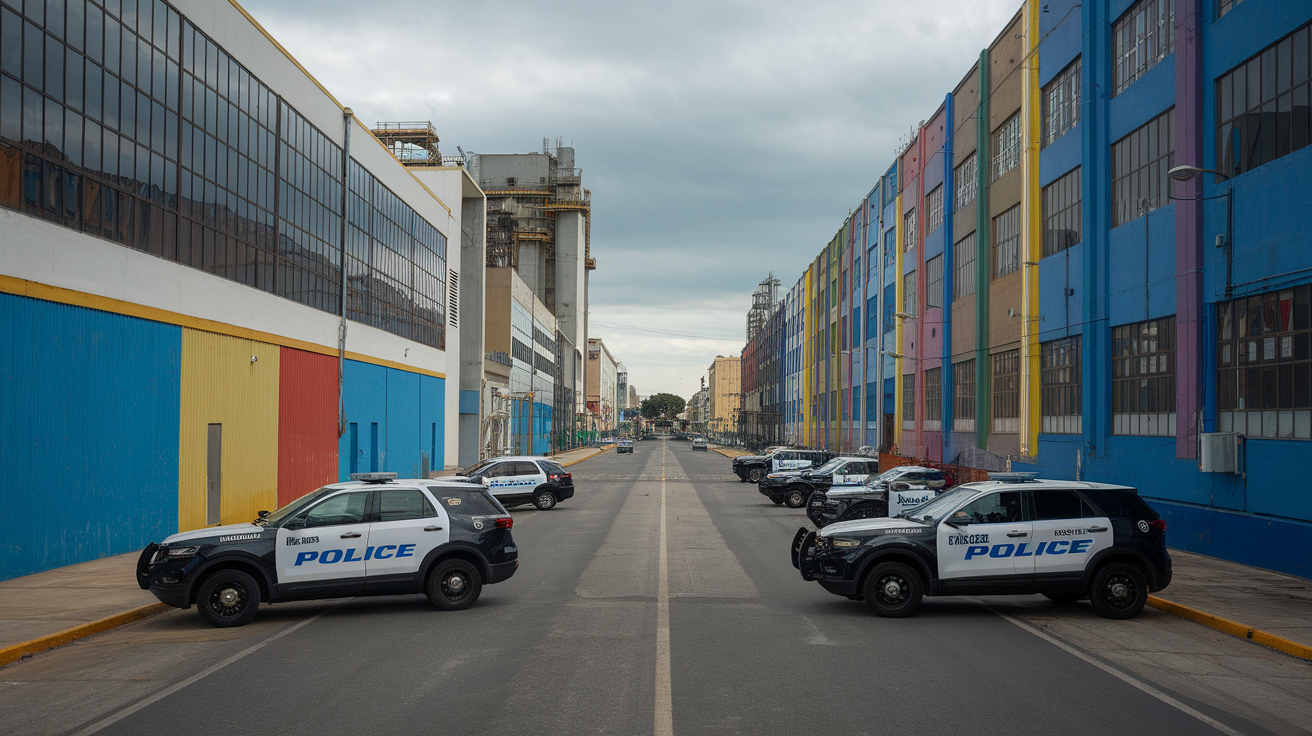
(816,637)
(155,698)
(1124,677)
(664,697)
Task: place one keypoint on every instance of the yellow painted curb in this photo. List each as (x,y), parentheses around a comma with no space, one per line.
(589,457)
(725,452)
(1233,628)
(14,653)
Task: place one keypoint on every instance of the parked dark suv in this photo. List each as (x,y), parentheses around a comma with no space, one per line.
(753,468)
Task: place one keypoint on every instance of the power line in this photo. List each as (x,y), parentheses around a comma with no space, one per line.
(662,332)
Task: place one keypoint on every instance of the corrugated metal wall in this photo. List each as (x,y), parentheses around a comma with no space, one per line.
(432,416)
(222,385)
(366,405)
(403,444)
(88,435)
(307,423)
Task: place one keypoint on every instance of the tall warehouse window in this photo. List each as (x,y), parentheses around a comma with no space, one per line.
(963,267)
(1006,147)
(967,177)
(1143,378)
(933,399)
(909,231)
(934,282)
(1142,37)
(963,382)
(934,208)
(1262,106)
(909,401)
(1006,391)
(1062,213)
(1006,244)
(1061,103)
(1060,385)
(1140,161)
(1264,361)
(1225,6)
(909,295)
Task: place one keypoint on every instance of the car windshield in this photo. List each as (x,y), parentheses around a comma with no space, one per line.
(470,470)
(886,475)
(938,507)
(290,509)
(829,467)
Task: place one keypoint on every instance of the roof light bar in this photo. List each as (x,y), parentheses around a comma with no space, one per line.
(373,477)
(1013,477)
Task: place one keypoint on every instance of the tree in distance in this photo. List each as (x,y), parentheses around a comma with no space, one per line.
(657,404)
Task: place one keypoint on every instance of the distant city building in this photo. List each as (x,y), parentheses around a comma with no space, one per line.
(724,397)
(601,387)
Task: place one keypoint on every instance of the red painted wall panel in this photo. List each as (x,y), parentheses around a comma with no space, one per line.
(307,423)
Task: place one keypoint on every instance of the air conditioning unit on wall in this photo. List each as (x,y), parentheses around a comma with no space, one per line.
(1220,452)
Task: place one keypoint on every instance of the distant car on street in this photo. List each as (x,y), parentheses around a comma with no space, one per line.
(624,446)
(372,536)
(1012,534)
(699,443)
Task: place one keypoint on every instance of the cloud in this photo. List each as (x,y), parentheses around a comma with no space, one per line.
(721,140)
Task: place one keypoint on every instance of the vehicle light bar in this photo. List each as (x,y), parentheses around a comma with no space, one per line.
(1013,477)
(373,477)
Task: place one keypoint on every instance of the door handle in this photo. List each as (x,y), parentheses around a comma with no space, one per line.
(432,528)
(1017,534)
(351,535)
(1097,528)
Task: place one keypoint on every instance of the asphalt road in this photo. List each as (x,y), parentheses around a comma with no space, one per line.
(660,599)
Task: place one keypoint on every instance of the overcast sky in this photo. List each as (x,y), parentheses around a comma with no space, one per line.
(721,140)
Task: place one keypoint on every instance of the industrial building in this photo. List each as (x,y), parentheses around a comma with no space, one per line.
(1087,262)
(219,290)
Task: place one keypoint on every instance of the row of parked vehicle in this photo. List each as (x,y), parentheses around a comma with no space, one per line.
(892,538)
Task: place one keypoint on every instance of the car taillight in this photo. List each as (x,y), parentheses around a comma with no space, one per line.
(1158,524)
(561,476)
(505,522)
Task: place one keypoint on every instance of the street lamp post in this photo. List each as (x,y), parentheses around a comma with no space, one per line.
(1185,173)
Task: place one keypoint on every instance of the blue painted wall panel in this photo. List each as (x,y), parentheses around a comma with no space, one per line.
(365,392)
(1149,96)
(432,413)
(89,436)
(1143,289)
(404,443)
(1060,157)
(1276,544)
(1061,313)
(1059,27)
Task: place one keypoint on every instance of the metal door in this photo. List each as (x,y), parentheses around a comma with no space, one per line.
(214,474)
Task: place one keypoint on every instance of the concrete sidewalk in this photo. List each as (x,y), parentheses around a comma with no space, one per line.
(730,451)
(52,608)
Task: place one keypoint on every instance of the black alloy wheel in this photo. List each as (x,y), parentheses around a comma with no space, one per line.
(755,475)
(453,585)
(893,590)
(228,598)
(544,501)
(795,498)
(1119,591)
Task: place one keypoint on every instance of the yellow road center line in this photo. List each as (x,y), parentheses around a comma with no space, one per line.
(664,696)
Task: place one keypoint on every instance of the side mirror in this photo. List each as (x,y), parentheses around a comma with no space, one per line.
(263,514)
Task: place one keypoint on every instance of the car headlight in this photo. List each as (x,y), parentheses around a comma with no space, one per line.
(178,552)
(845,542)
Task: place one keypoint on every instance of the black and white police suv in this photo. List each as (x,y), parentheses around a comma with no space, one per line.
(1010,535)
(516,481)
(793,487)
(372,536)
(888,494)
(755,467)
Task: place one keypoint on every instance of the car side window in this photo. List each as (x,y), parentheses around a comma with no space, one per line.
(502,470)
(347,508)
(1057,505)
(995,508)
(401,505)
(526,468)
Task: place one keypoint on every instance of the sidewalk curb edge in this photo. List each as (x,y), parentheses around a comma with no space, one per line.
(17,652)
(589,457)
(1233,628)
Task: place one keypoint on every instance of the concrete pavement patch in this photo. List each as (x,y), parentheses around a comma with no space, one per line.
(1233,628)
(14,653)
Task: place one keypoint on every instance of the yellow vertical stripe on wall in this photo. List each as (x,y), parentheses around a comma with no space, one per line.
(897,307)
(222,385)
(1031,238)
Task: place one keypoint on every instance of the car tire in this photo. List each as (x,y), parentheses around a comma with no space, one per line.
(228,598)
(755,475)
(453,585)
(1119,591)
(1063,598)
(544,501)
(893,590)
(795,497)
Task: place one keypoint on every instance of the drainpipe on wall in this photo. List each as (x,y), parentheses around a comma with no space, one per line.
(347,115)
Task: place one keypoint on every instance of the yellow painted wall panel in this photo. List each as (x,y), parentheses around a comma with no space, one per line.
(222,385)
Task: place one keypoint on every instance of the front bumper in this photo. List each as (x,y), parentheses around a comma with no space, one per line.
(168,580)
(830,570)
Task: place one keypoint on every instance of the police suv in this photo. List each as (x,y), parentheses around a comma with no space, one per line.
(516,481)
(887,494)
(1013,534)
(755,467)
(793,487)
(372,536)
